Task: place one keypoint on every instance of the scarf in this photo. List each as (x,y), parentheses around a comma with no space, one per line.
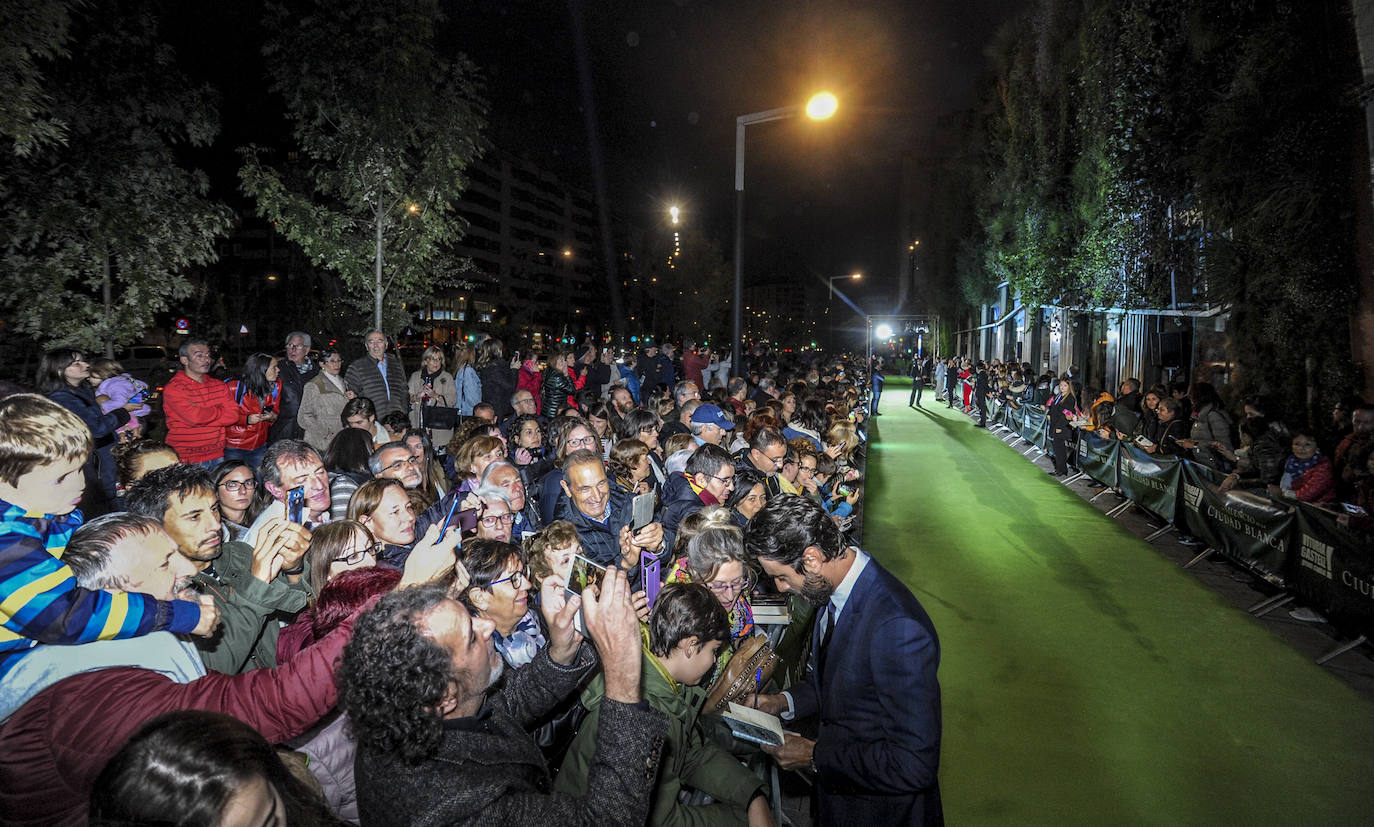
(524,642)
(702,494)
(428,378)
(304,367)
(1295,468)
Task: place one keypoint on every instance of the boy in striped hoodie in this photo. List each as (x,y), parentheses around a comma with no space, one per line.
(43,447)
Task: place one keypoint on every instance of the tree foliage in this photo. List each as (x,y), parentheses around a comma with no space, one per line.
(385,127)
(98,229)
(1147,153)
(32,32)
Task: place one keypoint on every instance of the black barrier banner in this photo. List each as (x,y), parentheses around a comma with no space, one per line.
(1097,457)
(1245,525)
(1331,567)
(994,408)
(1149,480)
(1017,420)
(1036,427)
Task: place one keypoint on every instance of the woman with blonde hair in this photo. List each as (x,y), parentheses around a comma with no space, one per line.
(432,390)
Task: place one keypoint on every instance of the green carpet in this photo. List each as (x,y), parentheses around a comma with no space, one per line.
(1086,678)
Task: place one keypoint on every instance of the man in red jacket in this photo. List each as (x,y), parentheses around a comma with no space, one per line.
(198,408)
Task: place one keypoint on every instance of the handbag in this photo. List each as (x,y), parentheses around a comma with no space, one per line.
(438,417)
(749,668)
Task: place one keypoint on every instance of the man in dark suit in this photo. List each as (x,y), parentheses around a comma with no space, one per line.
(873,674)
(980,393)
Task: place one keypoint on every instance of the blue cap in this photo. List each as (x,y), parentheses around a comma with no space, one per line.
(713,415)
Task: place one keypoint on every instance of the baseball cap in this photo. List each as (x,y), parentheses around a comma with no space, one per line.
(713,415)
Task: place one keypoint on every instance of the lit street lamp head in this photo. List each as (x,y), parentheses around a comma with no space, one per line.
(821,106)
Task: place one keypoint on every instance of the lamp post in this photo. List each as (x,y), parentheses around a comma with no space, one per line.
(822,105)
(830,300)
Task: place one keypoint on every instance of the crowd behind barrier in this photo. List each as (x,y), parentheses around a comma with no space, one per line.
(219,574)
(1301,548)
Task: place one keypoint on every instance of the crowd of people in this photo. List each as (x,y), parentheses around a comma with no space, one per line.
(1252,447)
(365,595)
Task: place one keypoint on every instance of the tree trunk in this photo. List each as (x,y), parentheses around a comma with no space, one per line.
(377,291)
(105,290)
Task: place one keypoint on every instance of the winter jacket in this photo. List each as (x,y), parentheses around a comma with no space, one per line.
(53,748)
(689,759)
(251,611)
(40,601)
(498,386)
(631,382)
(322,403)
(364,378)
(528,379)
(241,435)
(293,380)
(197,414)
(680,499)
(558,386)
(489,770)
(693,364)
(601,541)
(446,393)
(1317,484)
(1211,424)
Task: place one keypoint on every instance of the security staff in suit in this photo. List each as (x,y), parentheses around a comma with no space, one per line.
(873,674)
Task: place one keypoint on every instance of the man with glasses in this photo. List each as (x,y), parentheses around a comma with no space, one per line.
(395,461)
(292,464)
(298,369)
(707,480)
(766,453)
(380,377)
(524,404)
(602,516)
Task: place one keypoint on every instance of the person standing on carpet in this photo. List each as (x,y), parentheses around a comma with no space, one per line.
(872,680)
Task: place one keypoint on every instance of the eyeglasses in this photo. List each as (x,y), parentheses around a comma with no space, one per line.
(806,469)
(583,440)
(494,519)
(777,461)
(729,481)
(648,429)
(396,466)
(518,579)
(356,556)
(234,486)
(737,585)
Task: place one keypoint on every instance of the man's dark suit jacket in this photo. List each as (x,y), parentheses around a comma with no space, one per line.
(878,700)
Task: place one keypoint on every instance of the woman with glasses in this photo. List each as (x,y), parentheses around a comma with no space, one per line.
(337,547)
(432,387)
(495,517)
(500,592)
(323,400)
(716,559)
(258,393)
(235,488)
(64,376)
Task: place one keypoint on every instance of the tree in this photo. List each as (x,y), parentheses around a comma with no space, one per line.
(31,32)
(385,127)
(97,229)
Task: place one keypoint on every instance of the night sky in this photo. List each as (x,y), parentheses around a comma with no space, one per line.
(670,78)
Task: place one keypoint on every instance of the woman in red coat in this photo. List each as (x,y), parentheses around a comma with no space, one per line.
(258,393)
(1307,475)
(529,378)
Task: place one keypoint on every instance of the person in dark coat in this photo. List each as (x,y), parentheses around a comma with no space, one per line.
(602,516)
(295,371)
(1062,407)
(872,682)
(496,376)
(63,375)
(436,743)
(980,394)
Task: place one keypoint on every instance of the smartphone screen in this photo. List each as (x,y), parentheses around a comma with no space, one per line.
(642,510)
(585,573)
(295,504)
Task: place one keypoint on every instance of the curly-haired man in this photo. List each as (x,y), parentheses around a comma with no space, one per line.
(436,745)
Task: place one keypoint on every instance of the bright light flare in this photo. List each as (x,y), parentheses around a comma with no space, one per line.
(822,105)
(673,213)
(884,331)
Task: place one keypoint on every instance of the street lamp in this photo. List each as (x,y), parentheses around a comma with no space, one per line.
(830,300)
(821,106)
